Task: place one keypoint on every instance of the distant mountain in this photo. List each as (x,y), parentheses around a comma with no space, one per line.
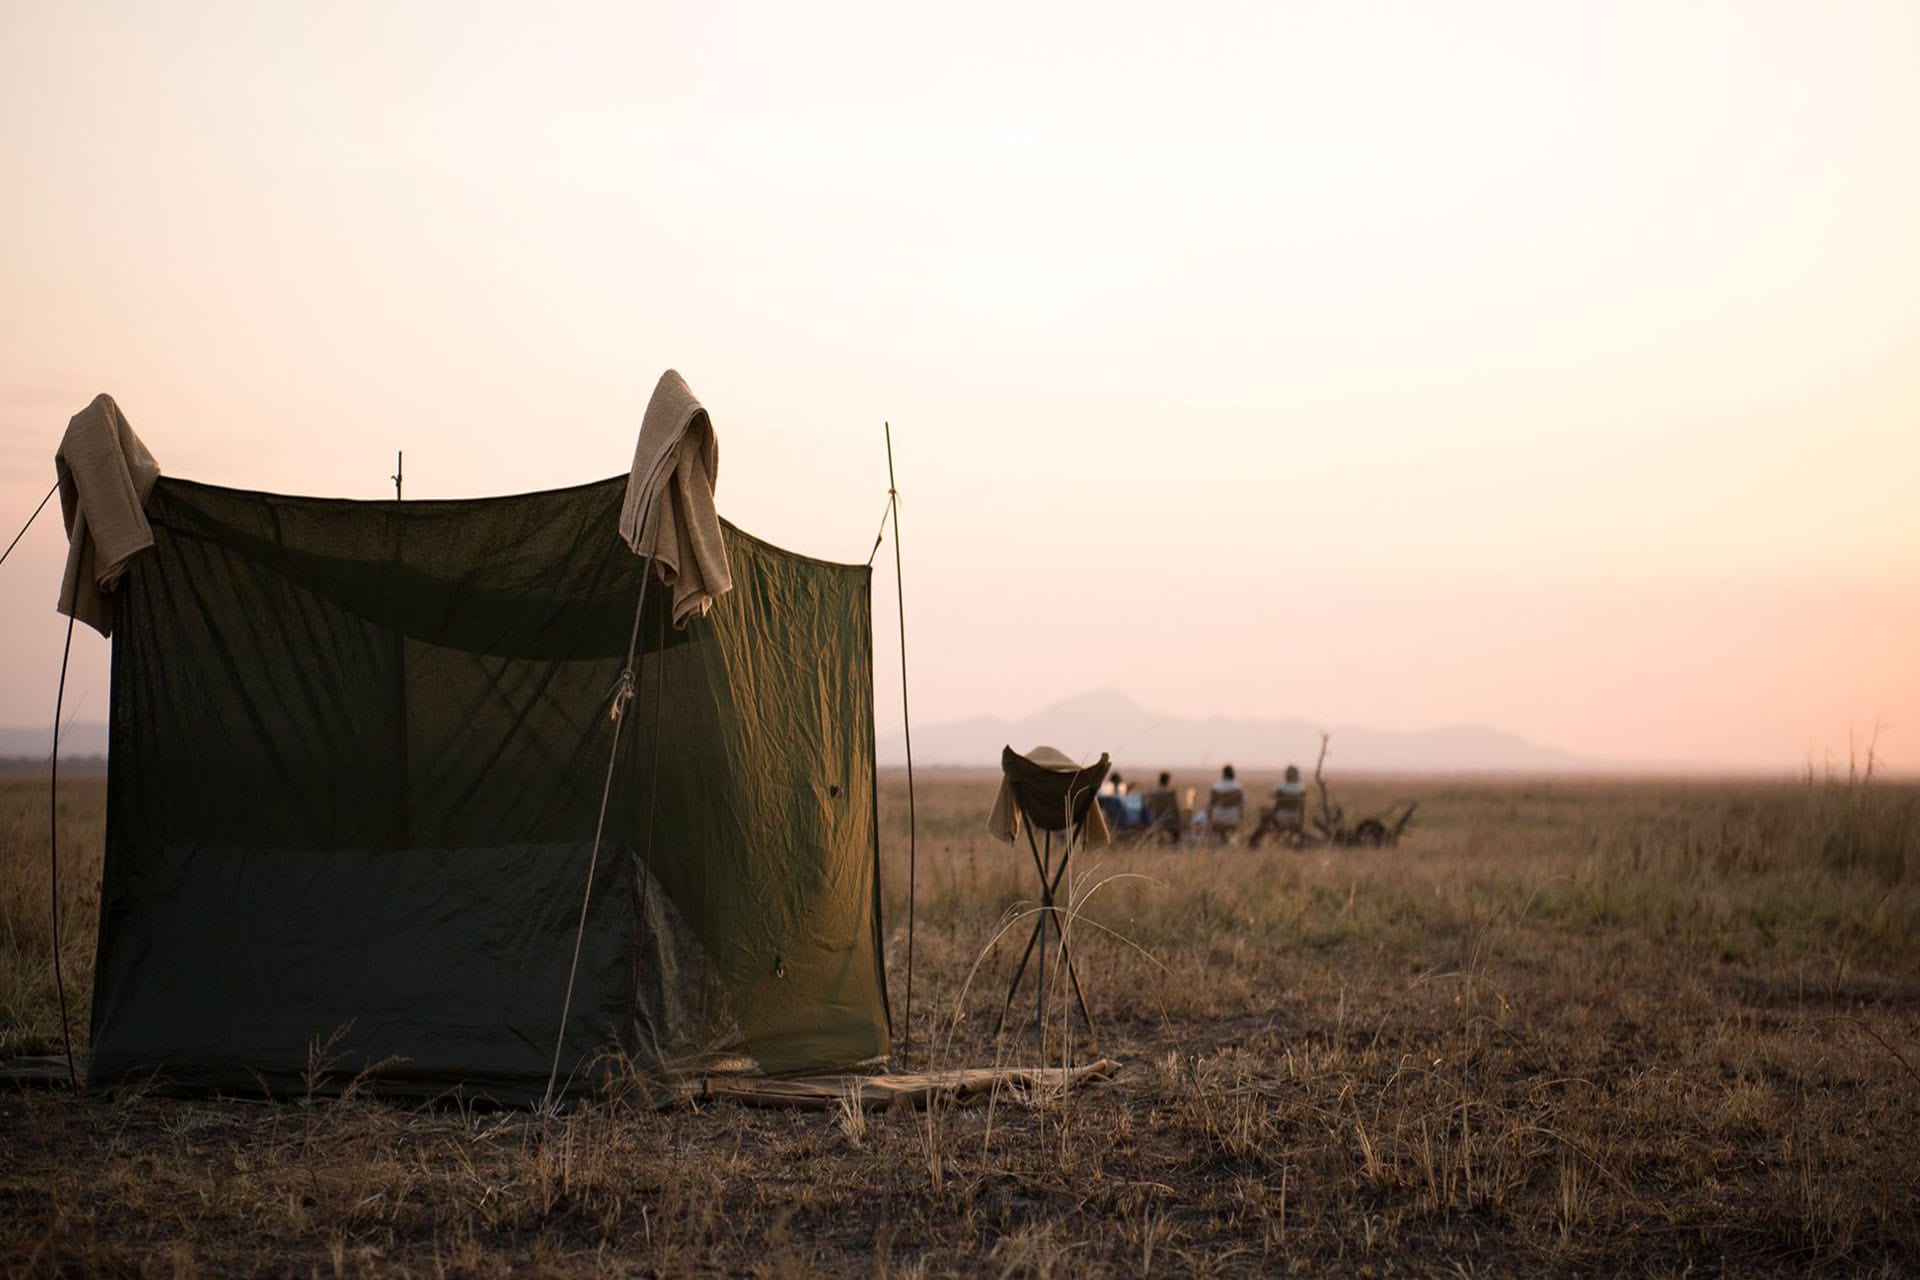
(1143,740)
(77,739)
(1138,739)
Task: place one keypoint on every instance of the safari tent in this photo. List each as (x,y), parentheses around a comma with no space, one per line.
(360,752)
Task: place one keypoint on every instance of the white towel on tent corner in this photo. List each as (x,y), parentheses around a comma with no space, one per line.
(669,513)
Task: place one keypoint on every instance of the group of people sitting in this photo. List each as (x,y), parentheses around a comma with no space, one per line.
(1159,811)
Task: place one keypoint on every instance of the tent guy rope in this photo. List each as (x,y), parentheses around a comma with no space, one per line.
(43,506)
(622,694)
(880,534)
(53,811)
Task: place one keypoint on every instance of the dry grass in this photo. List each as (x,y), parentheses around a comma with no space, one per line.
(29,1013)
(1565,1027)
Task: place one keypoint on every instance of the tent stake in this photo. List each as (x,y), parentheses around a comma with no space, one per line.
(900,598)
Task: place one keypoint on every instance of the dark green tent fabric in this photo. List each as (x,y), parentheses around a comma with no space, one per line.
(357,751)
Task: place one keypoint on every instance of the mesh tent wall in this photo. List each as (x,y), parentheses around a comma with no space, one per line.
(357,753)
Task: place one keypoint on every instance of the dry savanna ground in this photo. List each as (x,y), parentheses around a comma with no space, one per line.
(1565,1027)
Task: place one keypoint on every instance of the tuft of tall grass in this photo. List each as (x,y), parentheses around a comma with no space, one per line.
(1853,823)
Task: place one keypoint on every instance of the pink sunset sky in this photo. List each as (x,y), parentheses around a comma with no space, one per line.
(1548,367)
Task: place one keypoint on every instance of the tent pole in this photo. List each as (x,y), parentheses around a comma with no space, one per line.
(899,595)
(53,856)
(53,809)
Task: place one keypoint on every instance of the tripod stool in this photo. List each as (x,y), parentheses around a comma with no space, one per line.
(1050,794)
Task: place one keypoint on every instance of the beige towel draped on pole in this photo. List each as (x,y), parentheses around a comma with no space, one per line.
(669,513)
(105,476)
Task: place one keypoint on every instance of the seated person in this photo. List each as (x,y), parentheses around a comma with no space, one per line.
(1111,802)
(1163,810)
(1224,804)
(1287,819)
(1125,808)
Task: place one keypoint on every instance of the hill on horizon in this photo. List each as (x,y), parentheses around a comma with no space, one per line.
(1142,740)
(79,740)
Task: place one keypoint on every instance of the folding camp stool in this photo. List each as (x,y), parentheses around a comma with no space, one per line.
(1053,801)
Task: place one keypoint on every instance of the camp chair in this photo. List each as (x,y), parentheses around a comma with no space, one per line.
(1163,814)
(1286,821)
(1051,801)
(1224,807)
